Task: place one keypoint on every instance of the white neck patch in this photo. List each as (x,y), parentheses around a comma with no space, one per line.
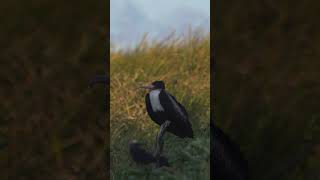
(155,101)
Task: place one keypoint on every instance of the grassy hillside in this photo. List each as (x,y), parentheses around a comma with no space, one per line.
(183,64)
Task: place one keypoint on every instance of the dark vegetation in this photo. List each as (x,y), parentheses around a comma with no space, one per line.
(52,126)
(267,84)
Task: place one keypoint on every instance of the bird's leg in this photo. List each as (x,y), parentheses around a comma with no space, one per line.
(156,149)
(161,134)
(159,140)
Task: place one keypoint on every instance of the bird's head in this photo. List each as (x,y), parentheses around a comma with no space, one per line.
(155,85)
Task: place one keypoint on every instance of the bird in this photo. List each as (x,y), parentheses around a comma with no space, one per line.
(162,106)
(228,162)
(141,156)
(166,111)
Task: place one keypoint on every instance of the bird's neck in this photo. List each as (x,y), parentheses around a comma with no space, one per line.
(155,101)
(156,90)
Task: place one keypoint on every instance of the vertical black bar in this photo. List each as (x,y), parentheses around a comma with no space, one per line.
(56,125)
(108,94)
(213,24)
(267,84)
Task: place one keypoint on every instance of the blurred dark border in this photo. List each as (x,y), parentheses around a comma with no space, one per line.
(266,84)
(52,126)
(213,18)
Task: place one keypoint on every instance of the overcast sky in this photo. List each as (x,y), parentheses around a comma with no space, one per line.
(130,19)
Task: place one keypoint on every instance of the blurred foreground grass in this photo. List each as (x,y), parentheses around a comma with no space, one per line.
(184,65)
(267,85)
(52,126)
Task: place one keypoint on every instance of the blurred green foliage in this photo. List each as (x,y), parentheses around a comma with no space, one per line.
(267,84)
(52,125)
(184,65)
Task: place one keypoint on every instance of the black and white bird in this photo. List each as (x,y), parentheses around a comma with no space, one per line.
(162,106)
(166,111)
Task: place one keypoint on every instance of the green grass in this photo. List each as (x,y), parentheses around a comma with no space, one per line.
(184,65)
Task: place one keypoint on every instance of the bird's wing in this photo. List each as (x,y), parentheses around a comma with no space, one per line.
(172,106)
(180,105)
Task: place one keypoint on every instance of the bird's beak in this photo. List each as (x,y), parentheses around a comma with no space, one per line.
(147,87)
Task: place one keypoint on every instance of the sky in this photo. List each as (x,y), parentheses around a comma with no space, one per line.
(130,19)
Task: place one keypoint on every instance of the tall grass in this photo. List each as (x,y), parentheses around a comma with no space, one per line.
(184,65)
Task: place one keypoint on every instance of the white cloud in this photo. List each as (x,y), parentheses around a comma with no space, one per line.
(130,19)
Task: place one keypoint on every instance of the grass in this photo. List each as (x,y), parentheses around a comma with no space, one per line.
(184,65)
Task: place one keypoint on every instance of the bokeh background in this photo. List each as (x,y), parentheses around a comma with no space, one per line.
(267,84)
(52,126)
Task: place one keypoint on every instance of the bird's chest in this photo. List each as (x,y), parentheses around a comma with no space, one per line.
(155,101)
